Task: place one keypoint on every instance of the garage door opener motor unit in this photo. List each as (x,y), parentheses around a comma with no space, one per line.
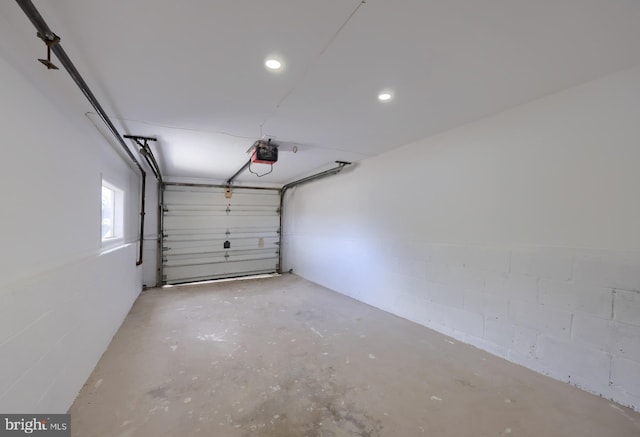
(263,152)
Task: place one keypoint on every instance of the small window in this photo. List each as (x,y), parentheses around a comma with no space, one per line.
(112,212)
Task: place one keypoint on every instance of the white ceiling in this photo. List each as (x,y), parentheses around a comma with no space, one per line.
(191,72)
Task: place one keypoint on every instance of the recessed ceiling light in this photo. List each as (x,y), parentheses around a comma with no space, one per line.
(273,64)
(385,96)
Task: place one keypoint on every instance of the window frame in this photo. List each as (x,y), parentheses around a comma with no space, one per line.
(115,217)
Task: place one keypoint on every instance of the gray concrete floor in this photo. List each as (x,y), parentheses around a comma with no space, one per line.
(283,357)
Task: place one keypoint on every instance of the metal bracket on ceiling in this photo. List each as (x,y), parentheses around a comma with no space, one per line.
(145,151)
(50,42)
(138,138)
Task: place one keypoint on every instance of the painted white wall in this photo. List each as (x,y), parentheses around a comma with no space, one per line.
(517,233)
(150,247)
(62,296)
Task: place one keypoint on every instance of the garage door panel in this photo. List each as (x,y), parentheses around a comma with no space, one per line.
(216,197)
(217,223)
(190,259)
(213,234)
(217,245)
(222,210)
(177,275)
(208,236)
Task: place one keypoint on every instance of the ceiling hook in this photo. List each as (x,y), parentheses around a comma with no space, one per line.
(50,42)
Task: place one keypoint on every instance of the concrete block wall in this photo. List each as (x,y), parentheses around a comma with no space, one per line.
(517,233)
(572,314)
(63,294)
(55,326)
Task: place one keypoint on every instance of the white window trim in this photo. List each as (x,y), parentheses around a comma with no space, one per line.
(117,216)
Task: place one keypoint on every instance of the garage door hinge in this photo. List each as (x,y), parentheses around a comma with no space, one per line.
(227,233)
(228,210)
(226,256)
(166,248)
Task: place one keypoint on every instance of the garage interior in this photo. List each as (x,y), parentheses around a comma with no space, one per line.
(325,218)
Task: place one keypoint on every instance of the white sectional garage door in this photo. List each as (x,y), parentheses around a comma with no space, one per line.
(208,236)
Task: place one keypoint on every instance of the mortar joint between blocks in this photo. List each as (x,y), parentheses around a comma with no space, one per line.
(571,326)
(610,369)
(613,303)
(537,346)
